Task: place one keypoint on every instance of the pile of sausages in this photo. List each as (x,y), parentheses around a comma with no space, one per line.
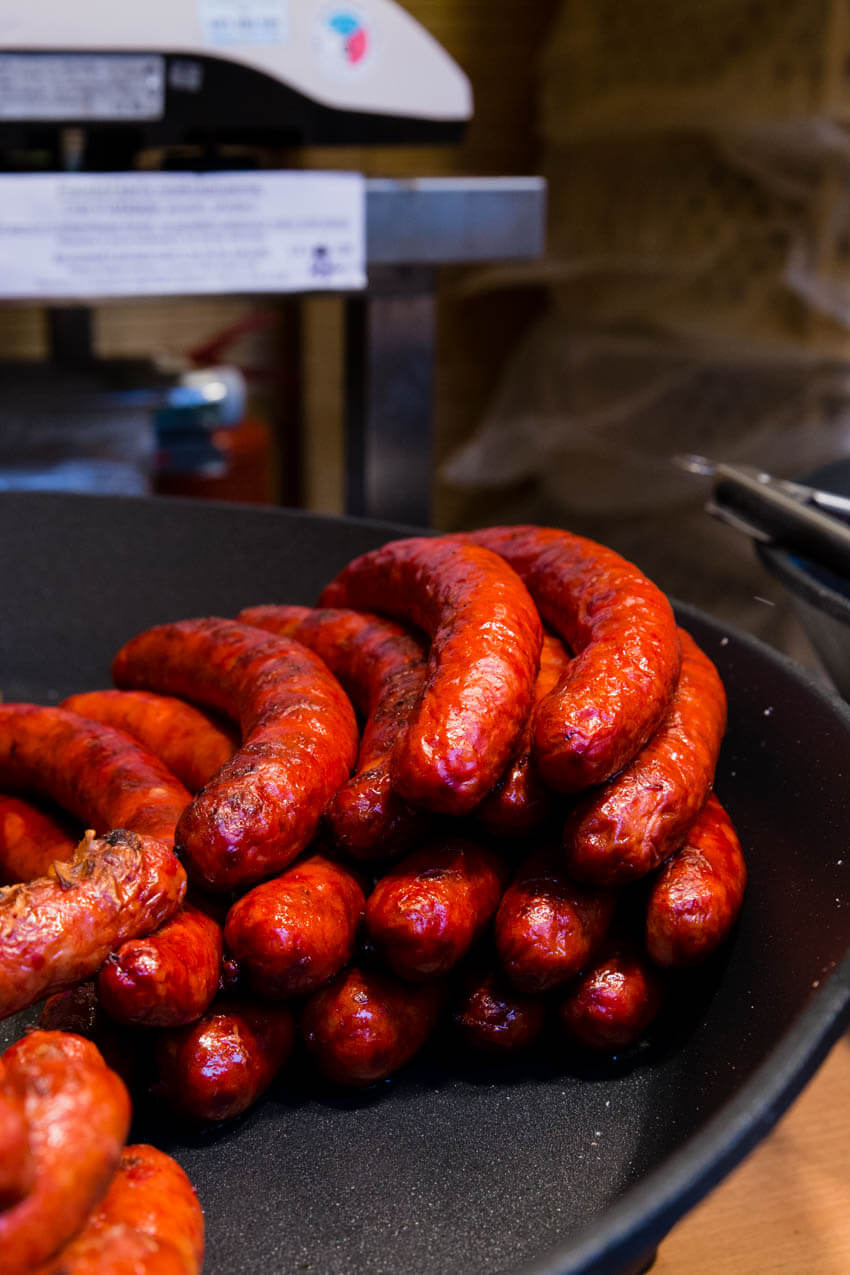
(473,785)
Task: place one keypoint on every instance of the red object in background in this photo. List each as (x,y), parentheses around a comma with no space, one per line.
(251,471)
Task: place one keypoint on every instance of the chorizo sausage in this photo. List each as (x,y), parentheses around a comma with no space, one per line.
(78,1010)
(641,816)
(150,1220)
(429,909)
(78,1114)
(167,978)
(548,926)
(218,1067)
(292,934)
(16,1166)
(30,840)
(299,742)
(697,895)
(612,1003)
(367,1024)
(98,774)
(59,929)
(622,632)
(521,801)
(382,669)
(485,647)
(493,1017)
(191,743)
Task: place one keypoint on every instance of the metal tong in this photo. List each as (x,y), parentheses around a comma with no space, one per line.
(802,519)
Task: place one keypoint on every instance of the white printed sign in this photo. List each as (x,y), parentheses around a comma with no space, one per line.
(82,86)
(94,235)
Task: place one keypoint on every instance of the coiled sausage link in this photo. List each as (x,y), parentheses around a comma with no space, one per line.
(30,840)
(299,741)
(485,647)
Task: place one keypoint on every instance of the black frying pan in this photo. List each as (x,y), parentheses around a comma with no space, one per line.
(552,1166)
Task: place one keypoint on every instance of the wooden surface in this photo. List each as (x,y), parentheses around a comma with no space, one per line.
(786,1209)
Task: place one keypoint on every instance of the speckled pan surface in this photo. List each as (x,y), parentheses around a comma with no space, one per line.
(550,1166)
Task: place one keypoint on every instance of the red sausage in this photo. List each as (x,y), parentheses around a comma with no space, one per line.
(77,1113)
(426,913)
(382,669)
(548,926)
(485,646)
(96,773)
(622,631)
(299,742)
(494,1017)
(191,743)
(520,802)
(697,895)
(167,978)
(638,819)
(16,1164)
(367,1024)
(149,1221)
(613,1002)
(59,929)
(79,1011)
(291,935)
(30,840)
(218,1067)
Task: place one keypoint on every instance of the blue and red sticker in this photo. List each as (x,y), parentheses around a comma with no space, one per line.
(344,39)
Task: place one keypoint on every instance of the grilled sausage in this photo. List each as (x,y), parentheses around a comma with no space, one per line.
(149,1221)
(428,910)
(494,1018)
(612,1003)
(642,815)
(366,1025)
(30,840)
(98,774)
(167,978)
(697,895)
(78,1010)
(521,801)
(485,646)
(292,934)
(622,631)
(59,929)
(299,742)
(191,743)
(382,669)
(218,1067)
(16,1164)
(548,926)
(77,1113)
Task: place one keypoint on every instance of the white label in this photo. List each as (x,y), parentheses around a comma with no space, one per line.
(226,22)
(166,234)
(81,86)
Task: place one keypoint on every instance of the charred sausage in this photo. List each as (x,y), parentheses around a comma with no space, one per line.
(30,840)
(493,1017)
(299,742)
(612,1003)
(641,816)
(485,647)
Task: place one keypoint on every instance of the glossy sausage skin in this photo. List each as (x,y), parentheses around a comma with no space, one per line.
(59,929)
(167,978)
(697,895)
(218,1067)
(613,1002)
(494,1018)
(548,926)
(30,840)
(77,1113)
(428,910)
(299,742)
(367,1024)
(98,774)
(622,631)
(294,933)
(381,667)
(16,1163)
(78,1010)
(521,801)
(640,817)
(191,743)
(485,646)
(149,1221)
